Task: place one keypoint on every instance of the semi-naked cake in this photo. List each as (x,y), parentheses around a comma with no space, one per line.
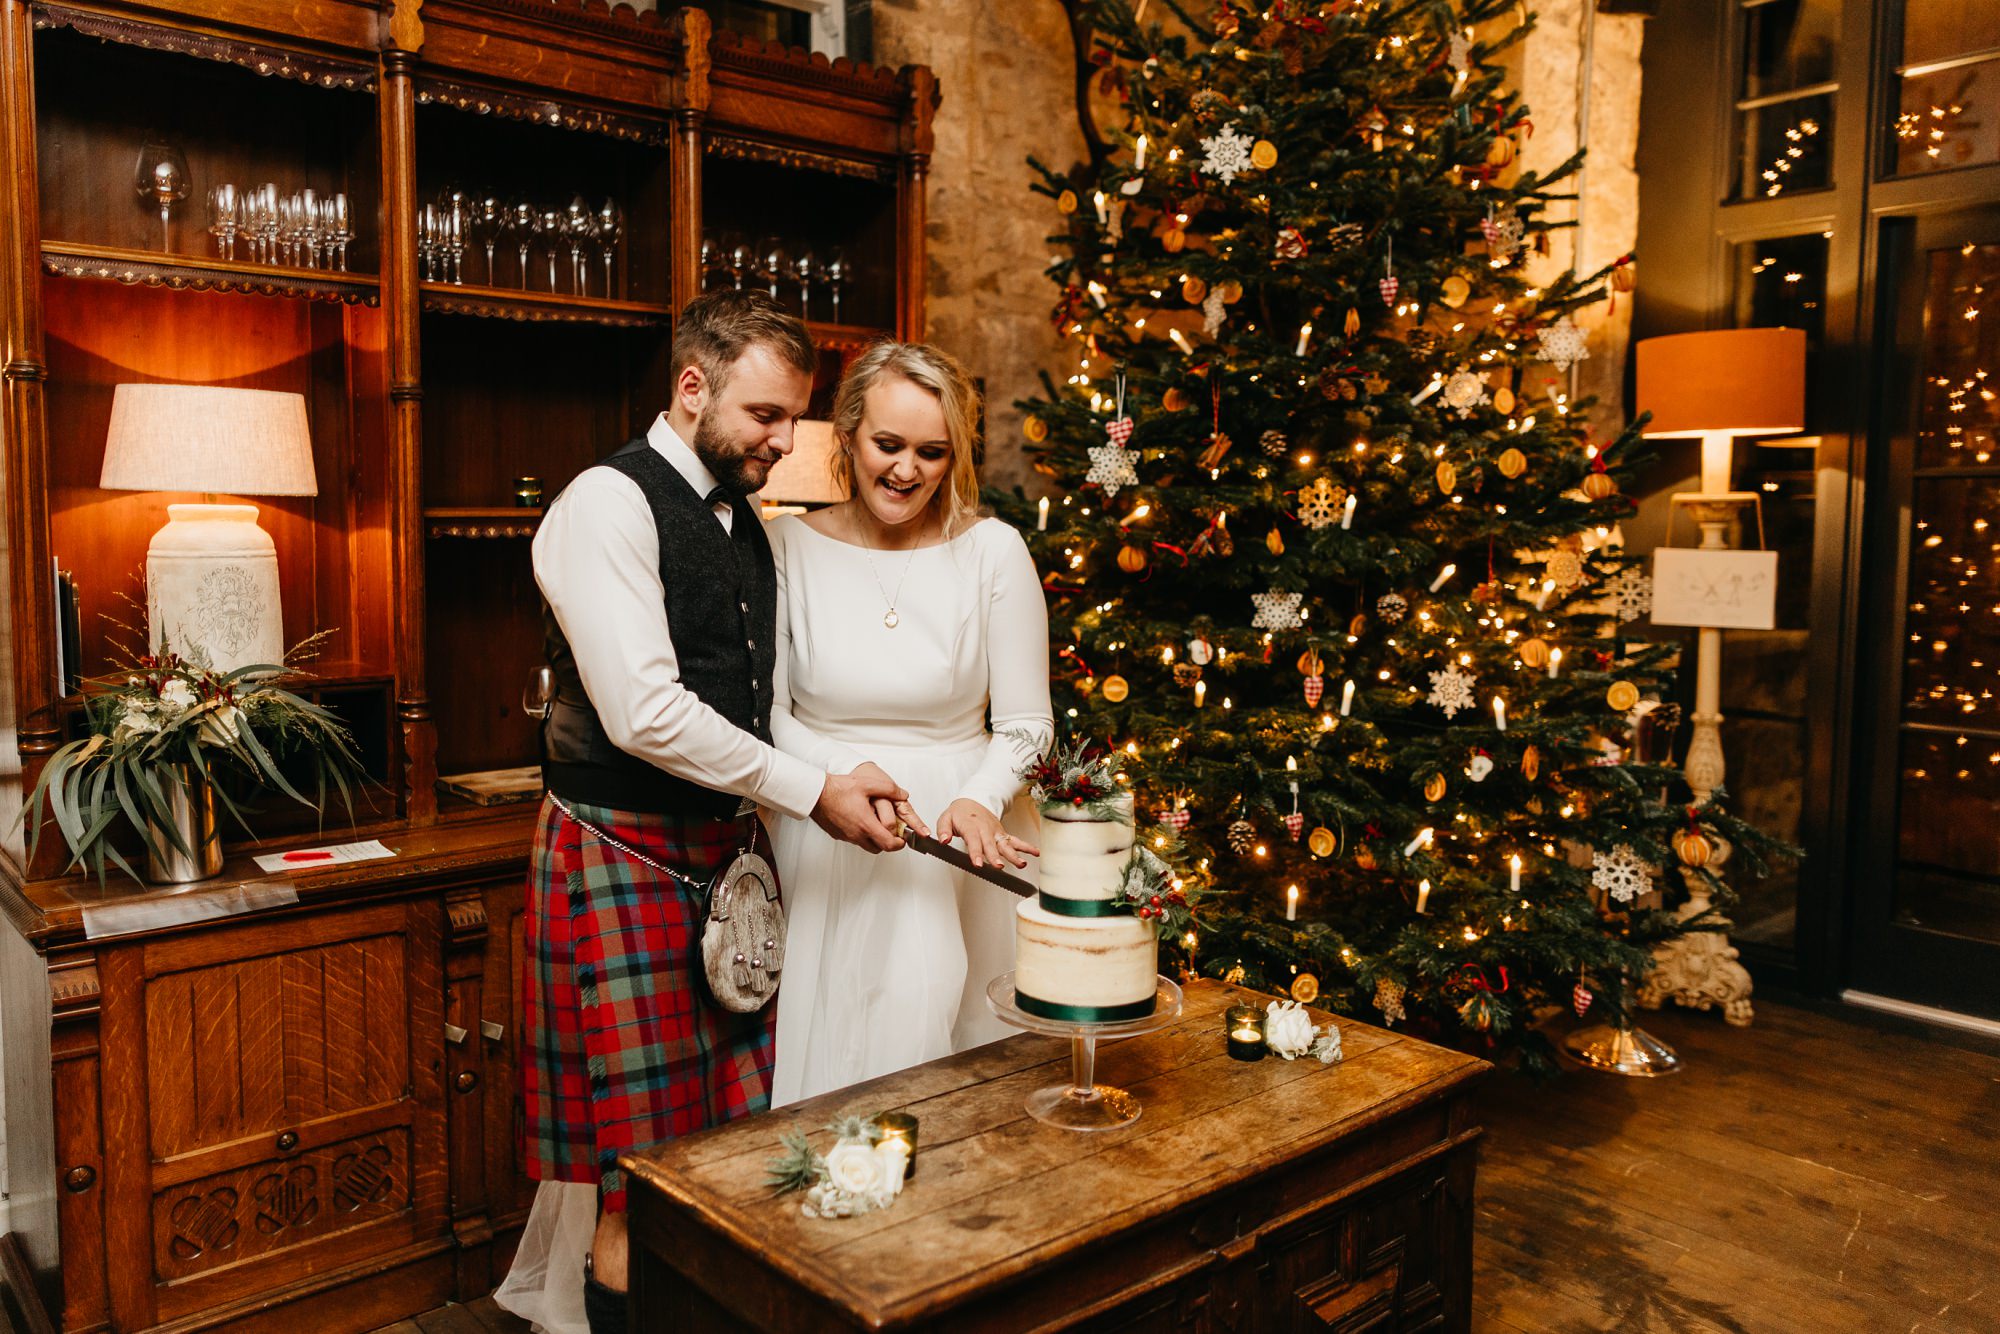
(1080,954)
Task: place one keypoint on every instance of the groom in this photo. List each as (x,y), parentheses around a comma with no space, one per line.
(660,614)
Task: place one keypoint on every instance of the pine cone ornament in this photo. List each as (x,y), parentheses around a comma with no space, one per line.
(1392,608)
(1273,443)
(1186,673)
(1242,834)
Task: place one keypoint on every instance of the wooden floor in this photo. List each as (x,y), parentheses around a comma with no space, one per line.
(1816,1173)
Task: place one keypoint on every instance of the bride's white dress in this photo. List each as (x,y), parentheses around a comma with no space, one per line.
(886,957)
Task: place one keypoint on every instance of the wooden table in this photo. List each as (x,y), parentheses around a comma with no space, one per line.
(1249,1196)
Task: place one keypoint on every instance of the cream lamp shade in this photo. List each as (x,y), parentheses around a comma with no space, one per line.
(211,573)
(1720,384)
(805,476)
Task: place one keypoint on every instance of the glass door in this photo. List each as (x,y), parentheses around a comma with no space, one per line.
(1928,893)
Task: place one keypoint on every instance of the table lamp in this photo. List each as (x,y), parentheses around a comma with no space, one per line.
(805,476)
(211,573)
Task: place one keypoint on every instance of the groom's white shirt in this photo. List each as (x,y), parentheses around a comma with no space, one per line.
(597,561)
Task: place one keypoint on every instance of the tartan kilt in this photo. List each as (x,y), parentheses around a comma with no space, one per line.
(622,1047)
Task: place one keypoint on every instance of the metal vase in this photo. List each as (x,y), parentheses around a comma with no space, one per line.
(191,805)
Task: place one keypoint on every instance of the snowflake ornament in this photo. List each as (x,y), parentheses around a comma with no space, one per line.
(1504,232)
(1458,53)
(1631,592)
(1226,153)
(1111,467)
(1465,391)
(1392,608)
(1451,690)
(1389,1000)
(1620,874)
(1566,568)
(1319,504)
(1562,344)
(1213,311)
(1277,611)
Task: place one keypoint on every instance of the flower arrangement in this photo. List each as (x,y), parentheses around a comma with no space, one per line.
(863,1171)
(169,721)
(1150,888)
(1074,779)
(1290,1032)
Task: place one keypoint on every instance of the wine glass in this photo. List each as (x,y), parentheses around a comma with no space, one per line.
(338,226)
(804,266)
(161,181)
(222,219)
(578,224)
(610,231)
(540,692)
(775,262)
(742,262)
(549,236)
(489,216)
(833,272)
(308,209)
(526,220)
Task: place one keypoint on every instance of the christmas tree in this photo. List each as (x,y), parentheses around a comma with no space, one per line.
(1334,560)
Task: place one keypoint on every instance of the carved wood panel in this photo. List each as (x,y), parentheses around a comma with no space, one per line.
(276,1041)
(1375,1264)
(268,1206)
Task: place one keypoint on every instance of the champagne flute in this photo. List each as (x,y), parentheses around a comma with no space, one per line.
(222,219)
(161,181)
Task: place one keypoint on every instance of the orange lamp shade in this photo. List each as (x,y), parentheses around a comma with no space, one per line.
(1723,382)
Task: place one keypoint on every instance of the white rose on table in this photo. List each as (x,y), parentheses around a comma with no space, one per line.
(222,727)
(854,1168)
(177,695)
(895,1156)
(1288,1029)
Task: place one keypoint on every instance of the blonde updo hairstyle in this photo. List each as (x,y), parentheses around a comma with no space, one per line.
(932,368)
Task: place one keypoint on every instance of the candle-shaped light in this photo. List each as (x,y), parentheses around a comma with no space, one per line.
(1423,895)
(1097,288)
(1200,693)
(1347,510)
(1181,342)
(1555,662)
(1102,213)
(1042,515)
(1139,155)
(1422,840)
(1305,337)
(1292,768)
(1291,903)
(1500,713)
(1346,697)
(1444,574)
(1514,873)
(1437,383)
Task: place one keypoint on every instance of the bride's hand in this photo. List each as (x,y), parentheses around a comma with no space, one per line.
(985,840)
(890,812)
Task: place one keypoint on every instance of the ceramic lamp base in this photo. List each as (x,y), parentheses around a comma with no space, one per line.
(212,585)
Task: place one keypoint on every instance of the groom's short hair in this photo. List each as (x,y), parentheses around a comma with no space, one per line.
(718,327)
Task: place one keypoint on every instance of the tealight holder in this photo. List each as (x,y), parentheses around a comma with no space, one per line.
(901,1126)
(1243,1029)
(527,492)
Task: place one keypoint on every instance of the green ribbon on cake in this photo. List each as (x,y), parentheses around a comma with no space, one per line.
(1081,907)
(1086,1014)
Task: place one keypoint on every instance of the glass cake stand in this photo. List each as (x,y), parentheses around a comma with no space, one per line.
(1083,1103)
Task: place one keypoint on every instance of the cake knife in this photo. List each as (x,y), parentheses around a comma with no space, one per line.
(945,852)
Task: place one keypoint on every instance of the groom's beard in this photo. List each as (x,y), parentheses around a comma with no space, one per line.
(735,466)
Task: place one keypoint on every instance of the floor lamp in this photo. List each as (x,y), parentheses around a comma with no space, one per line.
(1714,386)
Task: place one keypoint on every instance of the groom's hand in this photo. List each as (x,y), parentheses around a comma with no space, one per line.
(892,811)
(847,810)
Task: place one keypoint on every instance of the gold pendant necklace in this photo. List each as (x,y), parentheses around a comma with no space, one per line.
(890,620)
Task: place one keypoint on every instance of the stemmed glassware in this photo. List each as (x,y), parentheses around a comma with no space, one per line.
(774,264)
(525,220)
(489,217)
(834,271)
(222,219)
(579,228)
(610,231)
(804,269)
(161,181)
(549,236)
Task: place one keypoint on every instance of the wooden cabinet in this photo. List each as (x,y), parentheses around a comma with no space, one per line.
(295,1107)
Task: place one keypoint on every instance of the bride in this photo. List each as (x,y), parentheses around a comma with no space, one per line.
(912,634)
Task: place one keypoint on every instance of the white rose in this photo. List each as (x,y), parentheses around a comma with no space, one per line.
(222,727)
(177,694)
(1288,1029)
(134,722)
(854,1168)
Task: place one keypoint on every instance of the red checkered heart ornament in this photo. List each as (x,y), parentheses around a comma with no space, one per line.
(1315,687)
(1581,999)
(1293,824)
(1389,286)
(1118,430)
(1176,819)
(1489,229)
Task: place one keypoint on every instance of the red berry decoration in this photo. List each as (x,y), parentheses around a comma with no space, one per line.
(1156,900)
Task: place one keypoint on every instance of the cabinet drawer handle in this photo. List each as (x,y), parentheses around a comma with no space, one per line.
(454,1034)
(467,1081)
(80,1179)
(491,1031)
(287,1141)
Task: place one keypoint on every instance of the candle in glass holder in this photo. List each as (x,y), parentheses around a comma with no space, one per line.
(902,1127)
(527,492)
(1243,1027)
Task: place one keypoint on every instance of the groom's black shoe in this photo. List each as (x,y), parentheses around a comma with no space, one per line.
(603,1308)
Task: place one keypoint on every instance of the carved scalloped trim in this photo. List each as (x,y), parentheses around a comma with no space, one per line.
(799,159)
(74,989)
(467,916)
(542,111)
(496,308)
(621,20)
(270,61)
(135,274)
(812,66)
